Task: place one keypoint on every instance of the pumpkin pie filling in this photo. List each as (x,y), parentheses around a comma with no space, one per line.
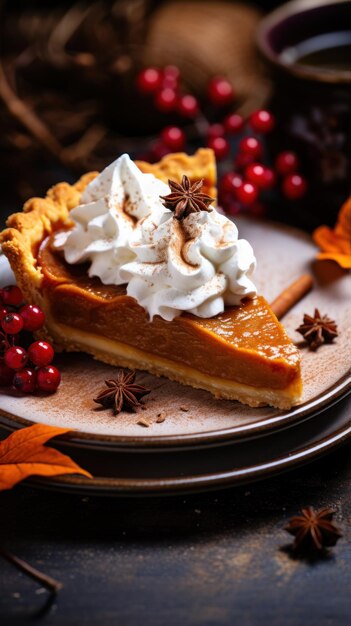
(245,344)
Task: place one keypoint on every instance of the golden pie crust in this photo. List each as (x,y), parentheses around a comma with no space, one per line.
(242,354)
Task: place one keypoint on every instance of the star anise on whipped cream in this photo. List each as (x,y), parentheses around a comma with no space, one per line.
(186,198)
(122,392)
(317,329)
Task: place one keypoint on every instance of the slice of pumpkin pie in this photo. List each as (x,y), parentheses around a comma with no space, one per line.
(136,267)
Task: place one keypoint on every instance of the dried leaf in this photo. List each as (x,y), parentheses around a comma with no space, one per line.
(23,454)
(335,244)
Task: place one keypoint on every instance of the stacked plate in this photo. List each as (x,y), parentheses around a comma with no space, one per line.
(194,442)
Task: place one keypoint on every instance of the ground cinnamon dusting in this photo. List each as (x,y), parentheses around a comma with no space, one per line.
(160,418)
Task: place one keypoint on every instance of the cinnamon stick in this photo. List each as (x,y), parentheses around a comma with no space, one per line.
(292,295)
(47,581)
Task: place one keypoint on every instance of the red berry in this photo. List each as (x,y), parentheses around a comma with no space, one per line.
(251,146)
(25,380)
(48,378)
(3,312)
(40,353)
(260,175)
(159,150)
(15,357)
(12,295)
(166,100)
(242,160)
(262,121)
(6,375)
(149,80)
(171,76)
(172,70)
(12,323)
(33,317)
(286,163)
(230,182)
(234,123)
(215,130)
(220,91)
(247,193)
(188,106)
(294,186)
(173,137)
(220,147)
(258,209)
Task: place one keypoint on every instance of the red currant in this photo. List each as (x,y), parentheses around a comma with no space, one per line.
(188,106)
(40,353)
(33,317)
(15,357)
(260,175)
(220,147)
(230,182)
(251,146)
(286,163)
(166,100)
(3,312)
(25,380)
(220,91)
(215,130)
(159,150)
(12,323)
(48,378)
(149,80)
(247,193)
(171,76)
(242,160)
(6,375)
(173,137)
(294,186)
(262,121)
(12,295)
(234,123)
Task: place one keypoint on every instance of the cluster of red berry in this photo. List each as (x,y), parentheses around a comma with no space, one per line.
(243,186)
(26,370)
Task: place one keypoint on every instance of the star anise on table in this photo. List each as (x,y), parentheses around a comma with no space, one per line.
(313,529)
(317,329)
(186,198)
(122,392)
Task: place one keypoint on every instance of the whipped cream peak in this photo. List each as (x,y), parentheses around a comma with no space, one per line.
(111,207)
(195,264)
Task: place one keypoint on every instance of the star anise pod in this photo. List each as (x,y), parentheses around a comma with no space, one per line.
(317,329)
(122,392)
(186,198)
(313,529)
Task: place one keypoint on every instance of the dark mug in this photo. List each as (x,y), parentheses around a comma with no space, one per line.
(307,44)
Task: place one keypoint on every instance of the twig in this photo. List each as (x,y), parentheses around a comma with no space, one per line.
(49,583)
(292,295)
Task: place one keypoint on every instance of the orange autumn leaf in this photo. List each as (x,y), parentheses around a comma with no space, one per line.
(23,454)
(335,244)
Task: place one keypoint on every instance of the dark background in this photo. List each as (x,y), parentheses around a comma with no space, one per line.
(215,559)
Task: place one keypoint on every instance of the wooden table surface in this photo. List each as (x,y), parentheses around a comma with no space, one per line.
(210,559)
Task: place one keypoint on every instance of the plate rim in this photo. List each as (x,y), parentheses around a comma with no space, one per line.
(137,487)
(264,427)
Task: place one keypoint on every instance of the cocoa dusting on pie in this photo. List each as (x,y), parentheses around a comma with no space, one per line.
(186,198)
(318,329)
(313,529)
(122,392)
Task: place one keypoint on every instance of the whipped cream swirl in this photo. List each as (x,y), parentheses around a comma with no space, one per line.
(111,207)
(197,264)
